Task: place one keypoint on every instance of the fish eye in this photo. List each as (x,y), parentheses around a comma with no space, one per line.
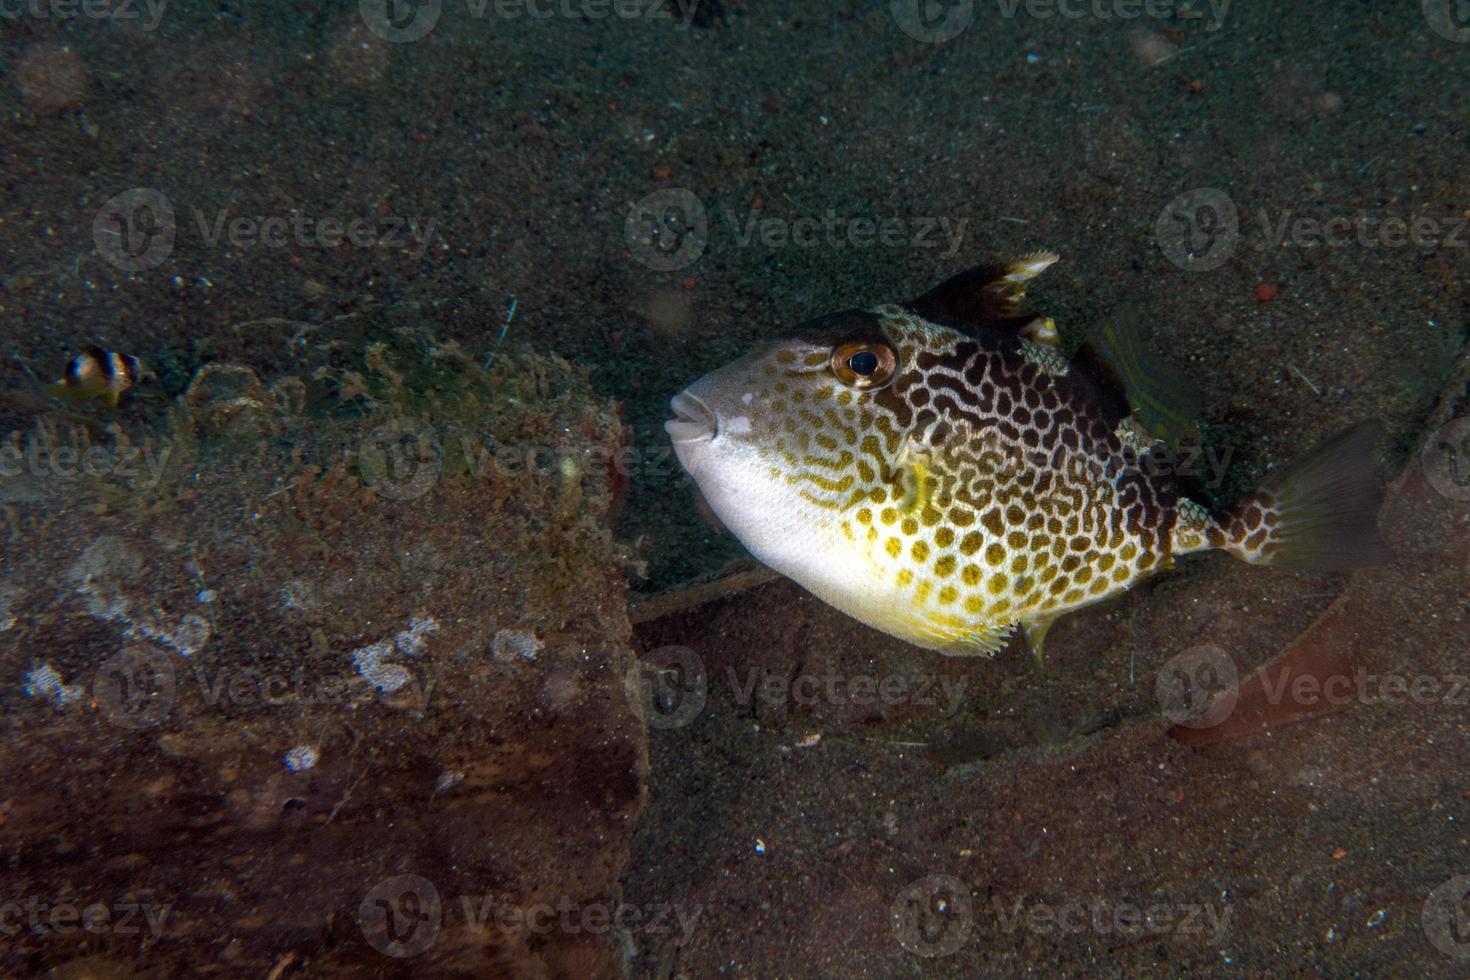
(864,364)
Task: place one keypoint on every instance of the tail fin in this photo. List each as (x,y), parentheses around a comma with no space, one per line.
(1317,513)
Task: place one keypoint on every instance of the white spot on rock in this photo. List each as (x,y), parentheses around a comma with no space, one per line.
(301,758)
(410,642)
(371,660)
(510,644)
(98,575)
(45,682)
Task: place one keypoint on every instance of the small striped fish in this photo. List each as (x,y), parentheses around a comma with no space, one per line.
(96,373)
(940,471)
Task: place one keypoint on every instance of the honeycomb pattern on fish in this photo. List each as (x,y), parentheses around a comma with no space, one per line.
(974,481)
(985,482)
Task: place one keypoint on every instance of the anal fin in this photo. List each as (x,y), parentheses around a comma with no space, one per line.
(1035,634)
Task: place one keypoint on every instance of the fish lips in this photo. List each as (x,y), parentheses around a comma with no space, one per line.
(695,421)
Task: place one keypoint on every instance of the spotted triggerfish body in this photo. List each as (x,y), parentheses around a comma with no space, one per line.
(939,470)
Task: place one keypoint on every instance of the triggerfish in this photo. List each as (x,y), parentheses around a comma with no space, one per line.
(939,469)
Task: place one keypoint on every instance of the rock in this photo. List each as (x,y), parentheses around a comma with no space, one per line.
(247,731)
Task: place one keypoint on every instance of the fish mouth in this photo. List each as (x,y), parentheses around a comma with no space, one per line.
(695,422)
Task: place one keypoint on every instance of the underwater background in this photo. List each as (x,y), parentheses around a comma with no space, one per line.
(377,632)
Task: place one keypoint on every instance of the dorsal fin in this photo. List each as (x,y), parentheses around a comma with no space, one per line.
(987,295)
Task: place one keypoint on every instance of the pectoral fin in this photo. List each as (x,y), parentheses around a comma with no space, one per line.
(916,478)
(1162,398)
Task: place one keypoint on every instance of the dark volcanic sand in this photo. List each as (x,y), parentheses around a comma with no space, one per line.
(527,141)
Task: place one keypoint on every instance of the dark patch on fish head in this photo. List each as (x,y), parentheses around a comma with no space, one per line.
(956,381)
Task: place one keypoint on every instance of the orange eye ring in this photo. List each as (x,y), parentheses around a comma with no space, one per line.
(865,364)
